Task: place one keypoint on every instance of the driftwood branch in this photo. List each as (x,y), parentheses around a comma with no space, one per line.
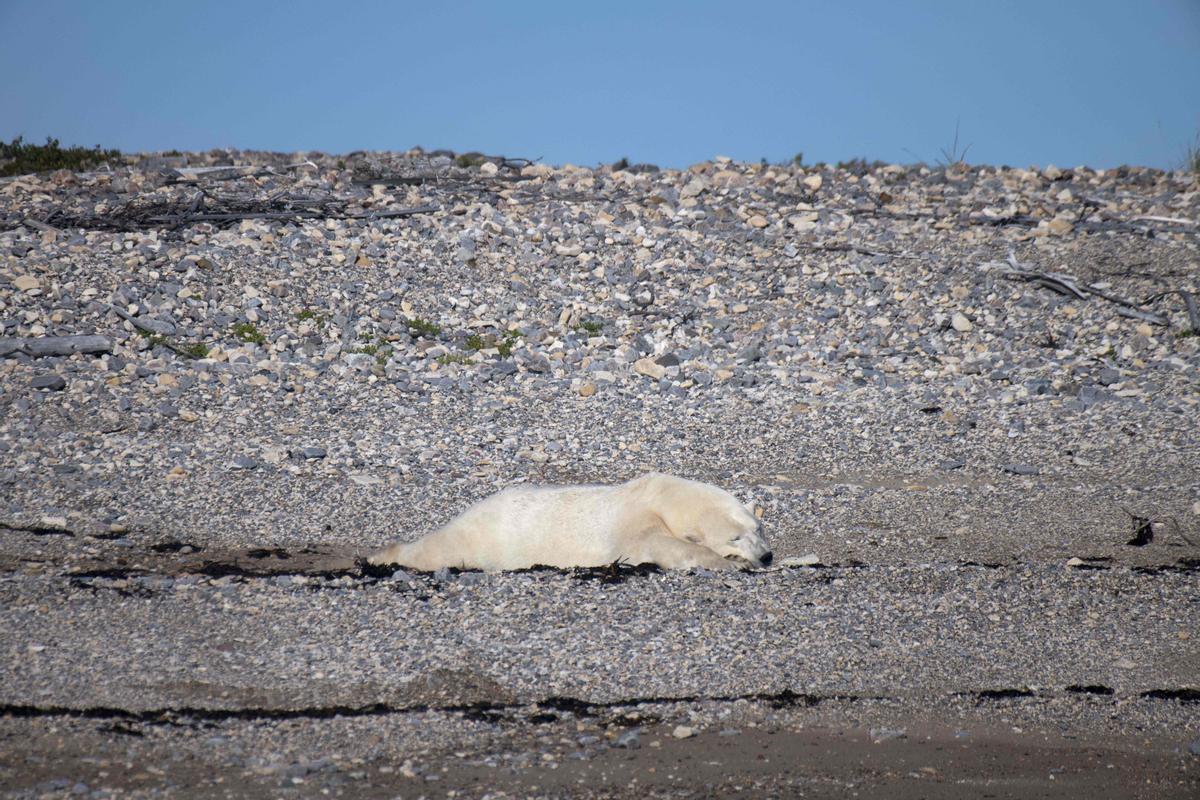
(841,247)
(1069,285)
(41,226)
(1189,303)
(238,170)
(155,326)
(41,346)
(187,219)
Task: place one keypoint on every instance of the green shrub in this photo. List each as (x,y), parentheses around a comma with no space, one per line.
(470,160)
(591,326)
(506,344)
(247,332)
(18,158)
(423,327)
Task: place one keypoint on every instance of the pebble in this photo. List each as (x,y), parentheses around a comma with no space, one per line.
(683,732)
(52,383)
(960,323)
(879,735)
(26,283)
(807,560)
(630,739)
(650,368)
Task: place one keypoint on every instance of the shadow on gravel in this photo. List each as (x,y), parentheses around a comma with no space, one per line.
(318,567)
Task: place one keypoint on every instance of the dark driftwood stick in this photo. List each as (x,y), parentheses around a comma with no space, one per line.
(185,219)
(853,248)
(1189,303)
(148,325)
(399,212)
(1145,316)
(40,346)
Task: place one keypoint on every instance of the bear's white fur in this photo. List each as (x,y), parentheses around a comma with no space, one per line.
(673,522)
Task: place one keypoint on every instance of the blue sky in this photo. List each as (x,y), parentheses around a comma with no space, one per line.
(1069,82)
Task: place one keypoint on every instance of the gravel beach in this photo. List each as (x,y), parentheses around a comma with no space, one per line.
(965,401)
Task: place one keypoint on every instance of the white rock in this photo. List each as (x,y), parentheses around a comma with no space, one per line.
(648,367)
(26,283)
(813,182)
(810,560)
(960,322)
(693,187)
(488,170)
(683,732)
(1060,226)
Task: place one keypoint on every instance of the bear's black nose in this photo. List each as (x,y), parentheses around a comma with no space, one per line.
(767,557)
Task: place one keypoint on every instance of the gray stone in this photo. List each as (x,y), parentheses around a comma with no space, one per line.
(52,383)
(630,739)
(668,360)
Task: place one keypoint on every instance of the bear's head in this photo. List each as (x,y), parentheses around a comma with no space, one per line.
(708,516)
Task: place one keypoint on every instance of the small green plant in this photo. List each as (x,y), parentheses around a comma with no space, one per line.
(341,163)
(620,164)
(383,354)
(369,349)
(172,153)
(860,166)
(470,160)
(504,343)
(1191,156)
(423,327)
(247,332)
(954,157)
(153,339)
(507,343)
(1187,334)
(590,326)
(197,350)
(453,358)
(313,316)
(18,158)
(798,159)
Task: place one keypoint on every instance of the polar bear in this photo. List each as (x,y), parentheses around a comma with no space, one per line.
(673,522)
